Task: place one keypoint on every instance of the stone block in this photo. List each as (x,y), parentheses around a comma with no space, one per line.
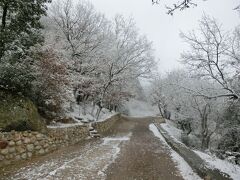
(12,149)
(41,151)
(3,144)
(29,154)
(38,147)
(26,140)
(24,156)
(20,149)
(4,151)
(2,158)
(18,157)
(11,143)
(19,143)
(30,147)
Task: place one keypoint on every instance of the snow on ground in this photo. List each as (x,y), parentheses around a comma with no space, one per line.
(224,166)
(88,162)
(139,108)
(212,161)
(79,117)
(172,131)
(89,113)
(185,170)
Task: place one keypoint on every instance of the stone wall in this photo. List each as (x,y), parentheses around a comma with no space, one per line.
(15,146)
(68,136)
(105,126)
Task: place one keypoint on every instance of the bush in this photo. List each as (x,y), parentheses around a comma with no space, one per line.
(16,78)
(230,141)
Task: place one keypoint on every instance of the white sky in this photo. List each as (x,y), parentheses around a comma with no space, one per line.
(162,29)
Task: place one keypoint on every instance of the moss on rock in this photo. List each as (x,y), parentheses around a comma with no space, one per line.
(19,113)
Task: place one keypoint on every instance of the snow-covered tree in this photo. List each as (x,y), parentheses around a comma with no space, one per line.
(20,32)
(178,94)
(101,56)
(213,54)
(129,57)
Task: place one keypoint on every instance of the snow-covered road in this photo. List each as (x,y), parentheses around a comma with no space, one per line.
(81,162)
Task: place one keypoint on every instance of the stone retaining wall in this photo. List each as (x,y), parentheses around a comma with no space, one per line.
(15,146)
(105,126)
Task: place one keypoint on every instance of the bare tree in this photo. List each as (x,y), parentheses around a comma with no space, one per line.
(180,5)
(208,54)
(184,4)
(204,108)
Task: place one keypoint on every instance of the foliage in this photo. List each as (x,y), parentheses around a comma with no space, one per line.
(48,88)
(19,33)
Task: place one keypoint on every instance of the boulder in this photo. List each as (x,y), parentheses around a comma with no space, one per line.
(19,113)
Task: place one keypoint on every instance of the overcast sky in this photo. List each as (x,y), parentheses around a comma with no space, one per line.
(162,29)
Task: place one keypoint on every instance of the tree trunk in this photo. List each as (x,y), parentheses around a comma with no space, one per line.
(160,110)
(84,108)
(93,108)
(3,26)
(98,113)
(205,142)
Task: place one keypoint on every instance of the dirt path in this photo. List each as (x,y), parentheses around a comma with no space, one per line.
(132,152)
(143,157)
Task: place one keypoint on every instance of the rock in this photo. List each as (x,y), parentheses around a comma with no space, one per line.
(4,151)
(26,140)
(19,113)
(36,143)
(17,137)
(11,143)
(1,158)
(19,143)
(41,151)
(20,149)
(30,147)
(25,134)
(33,139)
(3,144)
(24,156)
(38,147)
(42,142)
(9,156)
(39,136)
(12,150)
(46,145)
(29,154)
(18,157)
